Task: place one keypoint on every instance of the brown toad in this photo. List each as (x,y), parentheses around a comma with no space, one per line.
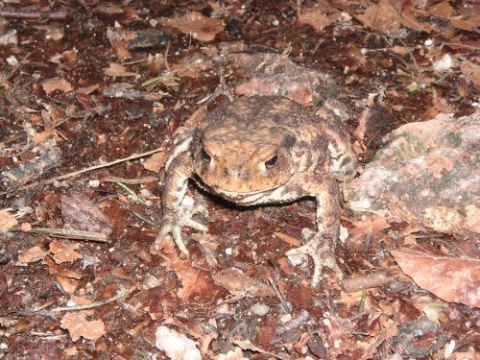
(261,150)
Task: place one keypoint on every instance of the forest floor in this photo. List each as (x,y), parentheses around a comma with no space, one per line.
(91,93)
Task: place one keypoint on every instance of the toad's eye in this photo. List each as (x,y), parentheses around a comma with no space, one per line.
(205,155)
(271,162)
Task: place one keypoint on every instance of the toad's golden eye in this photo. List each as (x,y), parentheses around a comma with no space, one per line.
(205,155)
(271,162)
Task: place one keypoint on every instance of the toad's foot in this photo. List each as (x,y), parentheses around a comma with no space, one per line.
(174,221)
(172,225)
(320,249)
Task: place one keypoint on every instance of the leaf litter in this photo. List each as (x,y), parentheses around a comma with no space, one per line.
(71,124)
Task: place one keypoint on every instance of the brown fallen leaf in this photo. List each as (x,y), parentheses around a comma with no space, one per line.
(194,280)
(8,219)
(119,38)
(79,212)
(78,326)
(87,90)
(471,72)
(50,85)
(371,225)
(32,255)
(63,252)
(118,70)
(197,25)
(60,270)
(382,17)
(239,284)
(68,285)
(451,279)
(320,15)
(155,162)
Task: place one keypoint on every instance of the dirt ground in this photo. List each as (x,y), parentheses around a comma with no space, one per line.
(91,94)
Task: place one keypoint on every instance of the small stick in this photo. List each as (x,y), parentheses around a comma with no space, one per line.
(286,306)
(76,307)
(143,180)
(91,168)
(368,281)
(58,15)
(15,69)
(68,233)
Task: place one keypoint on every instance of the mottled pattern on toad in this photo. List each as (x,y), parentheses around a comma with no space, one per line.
(261,150)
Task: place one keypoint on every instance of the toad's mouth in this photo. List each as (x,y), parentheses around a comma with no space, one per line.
(243,195)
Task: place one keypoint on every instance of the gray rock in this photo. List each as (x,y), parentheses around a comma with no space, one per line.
(428,175)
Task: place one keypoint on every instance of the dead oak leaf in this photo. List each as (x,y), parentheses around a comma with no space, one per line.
(8,219)
(118,70)
(471,72)
(197,25)
(320,16)
(78,326)
(68,285)
(50,85)
(371,225)
(451,279)
(155,162)
(238,283)
(79,212)
(60,270)
(195,282)
(32,255)
(63,252)
(382,17)
(119,38)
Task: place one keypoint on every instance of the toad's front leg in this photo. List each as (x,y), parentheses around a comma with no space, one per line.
(177,208)
(320,245)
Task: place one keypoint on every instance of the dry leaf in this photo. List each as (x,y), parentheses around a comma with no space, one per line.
(176,345)
(32,255)
(239,284)
(155,162)
(119,38)
(471,72)
(371,225)
(63,253)
(68,285)
(87,90)
(81,213)
(8,219)
(51,85)
(382,17)
(319,16)
(60,270)
(78,326)
(451,279)
(118,70)
(194,281)
(195,24)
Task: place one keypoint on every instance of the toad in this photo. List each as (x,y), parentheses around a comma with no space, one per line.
(261,150)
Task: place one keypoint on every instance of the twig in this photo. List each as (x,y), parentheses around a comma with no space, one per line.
(15,69)
(295,323)
(58,15)
(76,307)
(286,306)
(143,180)
(366,281)
(92,305)
(67,233)
(91,168)
(134,196)
(459,45)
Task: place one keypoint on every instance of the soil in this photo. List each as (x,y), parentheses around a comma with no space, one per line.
(91,94)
